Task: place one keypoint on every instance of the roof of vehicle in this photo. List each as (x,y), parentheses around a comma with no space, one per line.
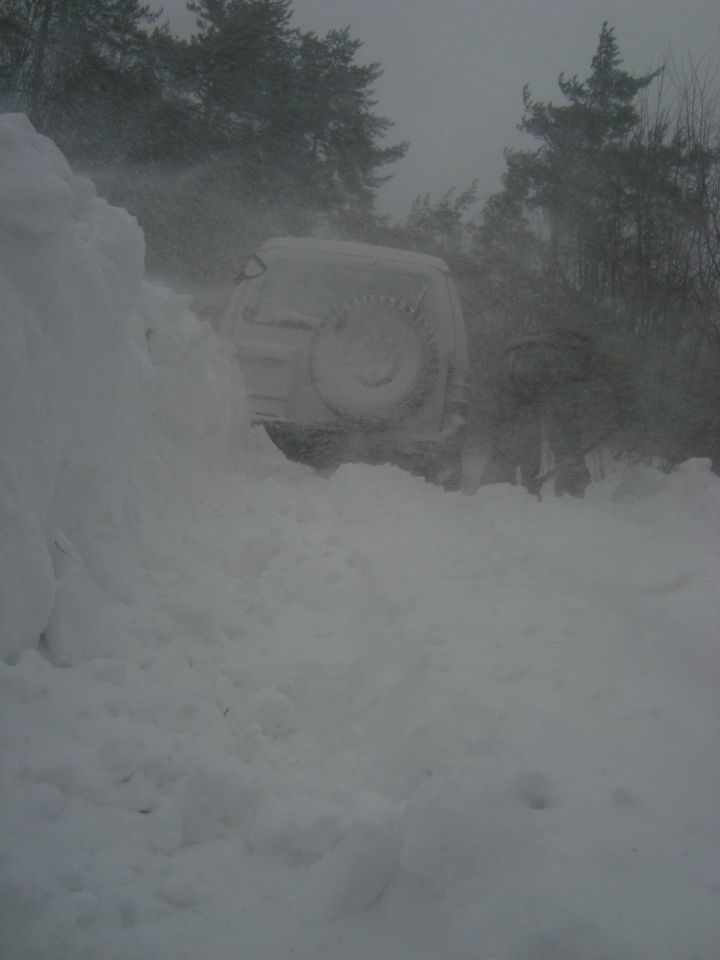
(354,249)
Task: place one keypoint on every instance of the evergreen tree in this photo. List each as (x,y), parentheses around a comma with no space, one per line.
(577,178)
(293,108)
(335,132)
(239,66)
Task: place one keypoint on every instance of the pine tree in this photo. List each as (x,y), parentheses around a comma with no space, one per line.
(293,108)
(577,178)
(335,130)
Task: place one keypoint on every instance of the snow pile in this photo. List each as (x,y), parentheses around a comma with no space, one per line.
(87,407)
(342,717)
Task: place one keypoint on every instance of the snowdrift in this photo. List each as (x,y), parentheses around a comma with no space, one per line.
(251,713)
(108,387)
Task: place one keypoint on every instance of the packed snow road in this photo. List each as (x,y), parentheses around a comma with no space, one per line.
(249,713)
(359,716)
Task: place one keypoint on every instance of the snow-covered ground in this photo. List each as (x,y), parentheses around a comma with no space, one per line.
(252,713)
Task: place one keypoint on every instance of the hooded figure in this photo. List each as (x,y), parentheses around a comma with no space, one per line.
(554,385)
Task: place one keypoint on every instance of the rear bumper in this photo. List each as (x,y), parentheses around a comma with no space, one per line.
(425,454)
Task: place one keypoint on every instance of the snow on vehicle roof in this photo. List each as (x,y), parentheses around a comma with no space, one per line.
(355,249)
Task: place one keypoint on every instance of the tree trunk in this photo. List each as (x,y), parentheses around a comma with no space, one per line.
(36,81)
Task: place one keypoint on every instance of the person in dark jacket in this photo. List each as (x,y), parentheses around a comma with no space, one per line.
(554,384)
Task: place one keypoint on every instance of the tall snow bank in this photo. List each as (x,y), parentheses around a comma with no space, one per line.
(108,386)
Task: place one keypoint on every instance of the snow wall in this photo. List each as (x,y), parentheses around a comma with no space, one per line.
(109,387)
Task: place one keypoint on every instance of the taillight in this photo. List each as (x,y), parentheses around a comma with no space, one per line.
(459,409)
(458,398)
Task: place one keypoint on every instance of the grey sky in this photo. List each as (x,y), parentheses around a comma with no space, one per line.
(454,71)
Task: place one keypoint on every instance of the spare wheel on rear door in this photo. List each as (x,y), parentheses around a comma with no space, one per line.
(374,360)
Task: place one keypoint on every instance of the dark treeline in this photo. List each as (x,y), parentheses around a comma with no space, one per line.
(250,127)
(610,219)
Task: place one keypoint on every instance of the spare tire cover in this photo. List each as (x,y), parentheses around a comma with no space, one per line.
(374,360)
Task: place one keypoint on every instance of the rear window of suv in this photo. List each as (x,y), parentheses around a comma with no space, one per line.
(315,288)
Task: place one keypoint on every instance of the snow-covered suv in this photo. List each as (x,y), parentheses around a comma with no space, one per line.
(354,352)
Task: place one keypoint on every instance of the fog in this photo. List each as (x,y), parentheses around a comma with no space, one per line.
(365,707)
(251,712)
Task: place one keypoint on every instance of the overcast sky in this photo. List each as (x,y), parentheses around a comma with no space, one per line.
(454,71)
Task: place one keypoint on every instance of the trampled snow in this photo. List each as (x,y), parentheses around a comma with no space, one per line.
(251,713)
